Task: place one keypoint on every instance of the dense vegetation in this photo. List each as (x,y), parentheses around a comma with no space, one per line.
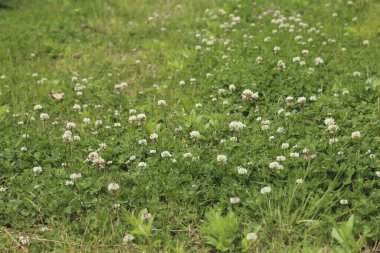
(189,126)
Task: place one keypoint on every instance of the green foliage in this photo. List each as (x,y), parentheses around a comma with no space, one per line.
(3,109)
(140,226)
(198,56)
(344,234)
(220,230)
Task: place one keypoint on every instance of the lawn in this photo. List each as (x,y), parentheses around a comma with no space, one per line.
(189,126)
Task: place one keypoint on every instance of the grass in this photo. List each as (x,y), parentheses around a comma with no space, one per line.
(323,194)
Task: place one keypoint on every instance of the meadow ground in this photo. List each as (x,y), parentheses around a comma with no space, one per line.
(189,126)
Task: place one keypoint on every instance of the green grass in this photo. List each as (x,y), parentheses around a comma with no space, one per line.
(90,46)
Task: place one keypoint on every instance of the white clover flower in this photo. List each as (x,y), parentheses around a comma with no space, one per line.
(87,121)
(285,145)
(356,74)
(329,121)
(259,60)
(318,61)
(187,155)
(142,165)
(299,181)
(281,158)
(265,124)
(118,87)
(24,240)
(113,187)
(332,128)
(77,107)
(296,59)
(37,107)
(141,117)
(276,49)
(355,135)
(198,106)
(281,65)
(281,130)
(377,173)
(117,124)
(249,95)
(298,38)
(182,83)
(146,216)
(152,151)
(365,42)
(301,100)
(166,154)
(305,52)
(289,100)
(221,158)
(128,238)
(161,103)
(241,170)
(132,119)
(234,200)
(70,125)
(143,142)
(154,137)
(96,160)
(44,116)
(276,166)
(266,190)
(37,169)
(222,92)
(195,135)
(98,122)
(313,98)
(251,236)
(294,155)
(236,126)
(67,137)
(232,87)
(75,176)
(343,202)
(132,111)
